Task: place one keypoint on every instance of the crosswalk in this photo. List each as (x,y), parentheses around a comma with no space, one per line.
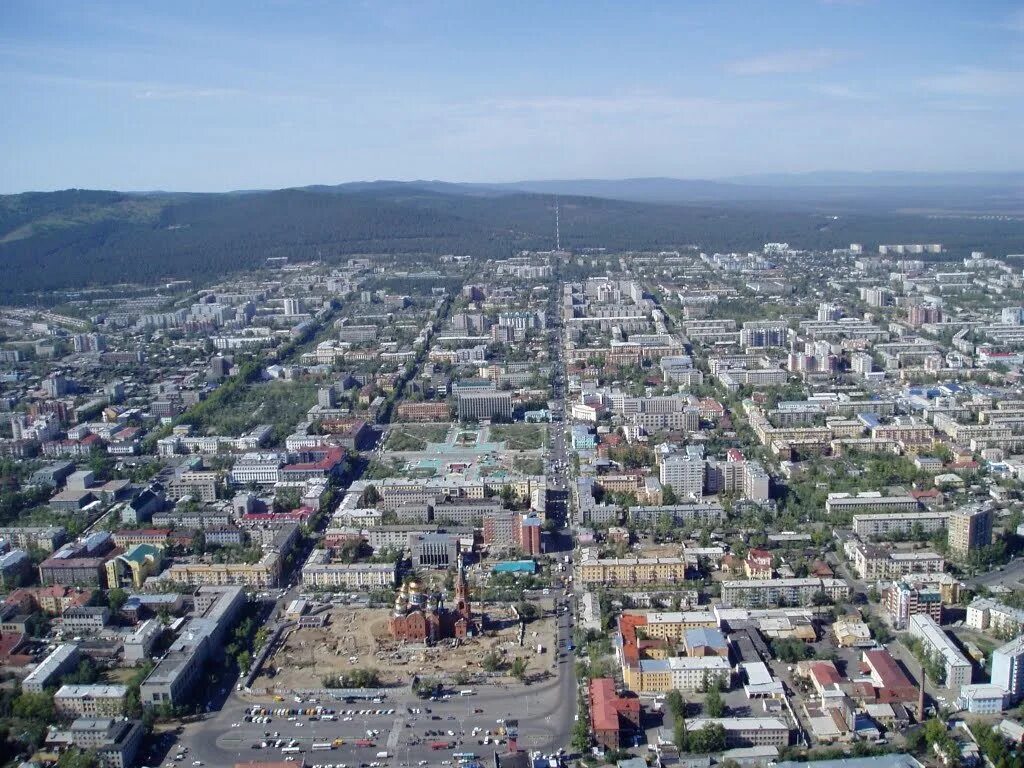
(396,732)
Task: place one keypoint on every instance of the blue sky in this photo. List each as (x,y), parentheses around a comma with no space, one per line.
(232,95)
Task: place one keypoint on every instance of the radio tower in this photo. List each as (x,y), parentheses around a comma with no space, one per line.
(558,233)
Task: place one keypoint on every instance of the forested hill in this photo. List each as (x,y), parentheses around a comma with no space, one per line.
(77,238)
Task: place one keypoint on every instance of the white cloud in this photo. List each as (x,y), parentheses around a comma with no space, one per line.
(787,62)
(975,81)
(696,109)
(840,91)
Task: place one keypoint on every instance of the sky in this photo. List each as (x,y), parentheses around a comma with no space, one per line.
(213,96)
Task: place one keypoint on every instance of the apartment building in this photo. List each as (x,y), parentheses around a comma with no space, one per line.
(908,432)
(970,530)
(684,474)
(782,592)
(200,484)
(357,334)
(869,501)
(679,514)
(994,617)
(90,700)
(263,574)
(115,742)
(1008,668)
(63,658)
(46,538)
(902,600)
(319,573)
(937,642)
(873,562)
(898,524)
(592,569)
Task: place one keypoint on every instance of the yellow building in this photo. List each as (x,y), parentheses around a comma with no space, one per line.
(263,574)
(133,567)
(629,570)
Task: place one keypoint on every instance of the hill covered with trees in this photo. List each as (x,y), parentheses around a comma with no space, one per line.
(79,238)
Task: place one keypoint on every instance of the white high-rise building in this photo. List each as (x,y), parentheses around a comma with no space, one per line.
(685,474)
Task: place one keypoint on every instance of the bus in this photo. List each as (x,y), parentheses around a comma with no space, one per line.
(435,745)
(463,755)
(467,692)
(290,750)
(322,746)
(363,743)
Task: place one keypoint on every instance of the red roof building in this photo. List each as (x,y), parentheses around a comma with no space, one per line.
(890,682)
(613,718)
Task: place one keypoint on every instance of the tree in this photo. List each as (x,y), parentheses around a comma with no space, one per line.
(675,703)
(709,739)
(581,735)
(78,758)
(371,496)
(116,598)
(668,496)
(713,704)
(34,706)
(518,669)
(491,662)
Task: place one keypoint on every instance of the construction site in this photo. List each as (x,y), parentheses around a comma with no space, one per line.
(356,638)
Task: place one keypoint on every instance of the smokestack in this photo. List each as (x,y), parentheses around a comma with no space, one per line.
(920,695)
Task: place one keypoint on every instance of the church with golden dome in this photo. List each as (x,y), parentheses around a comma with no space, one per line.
(423,618)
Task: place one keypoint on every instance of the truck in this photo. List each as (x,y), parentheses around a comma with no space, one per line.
(540,649)
(383,755)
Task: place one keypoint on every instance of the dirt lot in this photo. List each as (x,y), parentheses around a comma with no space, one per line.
(357,638)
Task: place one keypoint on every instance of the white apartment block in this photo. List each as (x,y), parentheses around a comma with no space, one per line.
(937,642)
(904,523)
(90,700)
(781,592)
(684,474)
(319,572)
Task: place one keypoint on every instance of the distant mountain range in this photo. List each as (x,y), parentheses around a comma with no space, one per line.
(77,238)
(956,192)
(824,191)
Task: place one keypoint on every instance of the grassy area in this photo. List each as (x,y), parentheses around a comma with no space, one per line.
(519,437)
(282,404)
(528,466)
(414,437)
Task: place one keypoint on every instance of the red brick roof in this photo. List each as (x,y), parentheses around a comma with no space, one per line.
(887,669)
(628,622)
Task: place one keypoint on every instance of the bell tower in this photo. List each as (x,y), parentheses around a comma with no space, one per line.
(462,606)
